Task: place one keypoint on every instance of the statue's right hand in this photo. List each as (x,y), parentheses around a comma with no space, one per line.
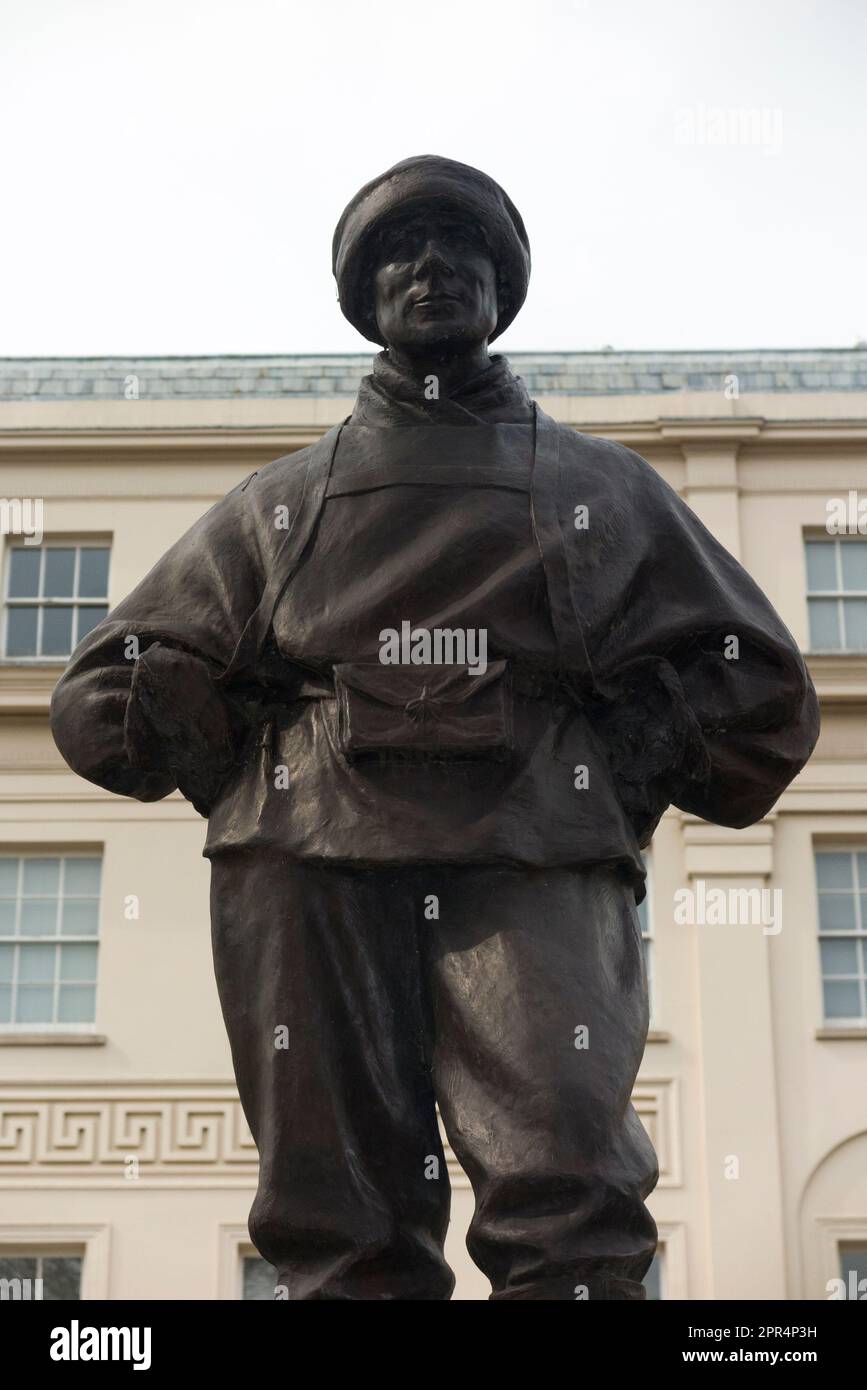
(179,714)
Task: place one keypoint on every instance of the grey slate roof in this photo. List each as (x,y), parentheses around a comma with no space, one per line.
(606,373)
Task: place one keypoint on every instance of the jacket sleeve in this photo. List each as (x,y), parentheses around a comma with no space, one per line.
(704,696)
(195,603)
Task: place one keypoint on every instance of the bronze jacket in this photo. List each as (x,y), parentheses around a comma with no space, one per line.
(661,669)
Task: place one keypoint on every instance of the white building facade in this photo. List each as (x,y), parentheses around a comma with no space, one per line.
(126,1169)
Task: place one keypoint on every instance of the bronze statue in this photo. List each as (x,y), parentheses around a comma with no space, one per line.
(433,681)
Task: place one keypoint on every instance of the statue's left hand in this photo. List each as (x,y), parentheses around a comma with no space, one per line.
(653,742)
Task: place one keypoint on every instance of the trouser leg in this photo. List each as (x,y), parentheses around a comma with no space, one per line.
(353,1196)
(519,962)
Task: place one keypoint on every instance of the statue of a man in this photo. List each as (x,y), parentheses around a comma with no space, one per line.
(433,680)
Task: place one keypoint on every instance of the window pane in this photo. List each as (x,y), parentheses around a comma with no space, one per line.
(61,1276)
(821,565)
(834,870)
(652,1280)
(88,618)
(824,625)
(7,917)
(18,1267)
(38,917)
(36,964)
(855,621)
(839,958)
(853,1257)
(93,573)
(21,631)
(59,579)
(836,912)
(5,1003)
(41,877)
(80,917)
(9,877)
(259,1280)
(78,962)
(24,572)
(81,876)
(34,1004)
(56,631)
(7,960)
(77,1004)
(854,564)
(842,1000)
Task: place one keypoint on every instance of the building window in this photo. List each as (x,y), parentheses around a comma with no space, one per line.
(853,1265)
(55,594)
(837,594)
(53,1278)
(653,1279)
(258,1279)
(644,918)
(841,878)
(49,920)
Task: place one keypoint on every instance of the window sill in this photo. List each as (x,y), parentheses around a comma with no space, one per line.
(840,1034)
(26,686)
(37,1039)
(840,676)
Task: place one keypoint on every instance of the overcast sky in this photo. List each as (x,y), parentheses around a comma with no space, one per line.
(172,170)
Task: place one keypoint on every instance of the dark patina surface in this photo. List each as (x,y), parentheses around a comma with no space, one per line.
(427,877)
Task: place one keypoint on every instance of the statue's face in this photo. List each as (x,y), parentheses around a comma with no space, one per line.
(436,286)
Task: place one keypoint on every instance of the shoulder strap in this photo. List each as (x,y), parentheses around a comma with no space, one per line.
(314,487)
(545,500)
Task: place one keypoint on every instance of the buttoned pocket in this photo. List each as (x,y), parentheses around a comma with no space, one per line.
(429,712)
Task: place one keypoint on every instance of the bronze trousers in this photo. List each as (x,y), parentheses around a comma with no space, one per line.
(356,1000)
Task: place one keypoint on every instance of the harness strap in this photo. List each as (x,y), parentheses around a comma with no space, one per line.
(545,494)
(313,492)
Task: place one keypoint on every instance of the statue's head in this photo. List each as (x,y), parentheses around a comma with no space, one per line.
(432,256)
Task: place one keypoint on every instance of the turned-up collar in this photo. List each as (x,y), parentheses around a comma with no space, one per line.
(391,397)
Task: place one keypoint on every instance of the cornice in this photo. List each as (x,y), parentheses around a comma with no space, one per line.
(105,446)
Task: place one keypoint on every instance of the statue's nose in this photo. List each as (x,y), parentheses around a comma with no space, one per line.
(433,256)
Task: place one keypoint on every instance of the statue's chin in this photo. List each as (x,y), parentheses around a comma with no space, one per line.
(439,339)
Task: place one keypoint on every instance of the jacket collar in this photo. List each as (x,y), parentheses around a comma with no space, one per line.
(390,397)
